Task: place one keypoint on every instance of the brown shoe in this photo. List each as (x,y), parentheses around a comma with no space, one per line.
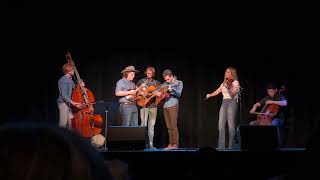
(174,146)
(168,147)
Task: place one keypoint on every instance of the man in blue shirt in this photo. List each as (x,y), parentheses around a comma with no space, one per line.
(171,107)
(66,86)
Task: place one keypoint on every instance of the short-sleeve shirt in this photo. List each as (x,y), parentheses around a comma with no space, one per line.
(225,93)
(124,85)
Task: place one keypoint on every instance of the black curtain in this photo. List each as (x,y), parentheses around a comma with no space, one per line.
(34,87)
(36,40)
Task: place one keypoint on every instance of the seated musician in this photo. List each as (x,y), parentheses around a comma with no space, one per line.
(148,112)
(273,97)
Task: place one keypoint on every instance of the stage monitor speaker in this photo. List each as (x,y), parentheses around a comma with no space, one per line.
(126,138)
(259,137)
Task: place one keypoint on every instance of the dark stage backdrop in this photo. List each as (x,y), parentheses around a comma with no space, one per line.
(33,71)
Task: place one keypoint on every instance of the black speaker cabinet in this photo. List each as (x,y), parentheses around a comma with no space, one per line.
(259,137)
(126,138)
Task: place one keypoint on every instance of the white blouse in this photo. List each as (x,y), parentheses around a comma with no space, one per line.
(235,87)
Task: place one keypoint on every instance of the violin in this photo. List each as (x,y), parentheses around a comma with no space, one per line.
(228,82)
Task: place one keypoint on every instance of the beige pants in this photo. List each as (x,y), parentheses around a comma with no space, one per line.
(148,118)
(65,115)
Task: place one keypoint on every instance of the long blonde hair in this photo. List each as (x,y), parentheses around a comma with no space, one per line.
(233,73)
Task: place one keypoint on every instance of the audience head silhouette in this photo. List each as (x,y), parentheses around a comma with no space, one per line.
(33,151)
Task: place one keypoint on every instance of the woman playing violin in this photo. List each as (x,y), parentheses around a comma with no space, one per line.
(229,89)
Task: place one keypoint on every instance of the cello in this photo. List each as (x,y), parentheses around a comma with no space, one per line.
(268,111)
(84,121)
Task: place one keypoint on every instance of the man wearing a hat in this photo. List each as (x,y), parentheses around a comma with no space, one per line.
(125,90)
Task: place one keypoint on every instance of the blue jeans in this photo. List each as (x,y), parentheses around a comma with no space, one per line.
(280,124)
(129,115)
(227,114)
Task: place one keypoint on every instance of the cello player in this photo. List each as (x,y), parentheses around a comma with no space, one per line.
(66,86)
(276,98)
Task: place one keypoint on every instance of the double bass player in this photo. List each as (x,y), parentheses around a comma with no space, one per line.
(66,86)
(75,103)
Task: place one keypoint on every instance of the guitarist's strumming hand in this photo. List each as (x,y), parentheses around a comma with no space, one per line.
(142,87)
(132,92)
(157,93)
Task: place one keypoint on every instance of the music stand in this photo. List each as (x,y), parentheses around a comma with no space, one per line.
(102,107)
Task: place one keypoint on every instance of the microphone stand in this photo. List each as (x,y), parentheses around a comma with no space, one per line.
(239,115)
(240,106)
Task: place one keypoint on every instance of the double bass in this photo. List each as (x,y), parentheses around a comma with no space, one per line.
(268,111)
(84,121)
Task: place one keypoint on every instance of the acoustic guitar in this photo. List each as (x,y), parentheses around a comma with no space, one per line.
(165,95)
(131,97)
(146,96)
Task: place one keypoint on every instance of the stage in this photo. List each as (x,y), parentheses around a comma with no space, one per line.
(207,162)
